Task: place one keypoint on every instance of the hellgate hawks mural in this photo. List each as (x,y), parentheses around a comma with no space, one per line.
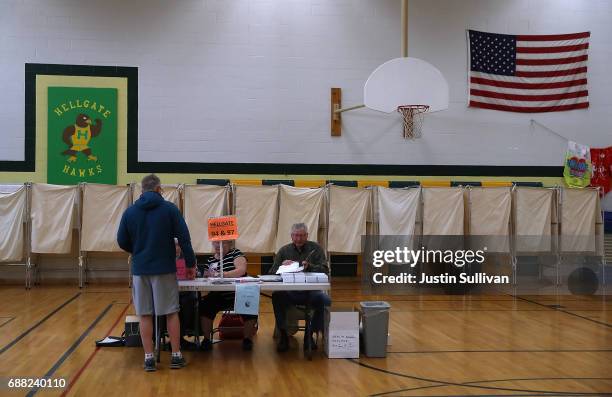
(82,135)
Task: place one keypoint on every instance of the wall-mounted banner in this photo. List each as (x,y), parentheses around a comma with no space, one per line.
(82,135)
(578,169)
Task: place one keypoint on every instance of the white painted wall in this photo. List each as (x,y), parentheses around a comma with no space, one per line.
(247,80)
(231,80)
(464,135)
(476,136)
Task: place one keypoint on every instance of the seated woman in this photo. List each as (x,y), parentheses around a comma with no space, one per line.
(234,265)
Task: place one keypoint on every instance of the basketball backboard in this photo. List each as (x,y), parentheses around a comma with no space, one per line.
(406,81)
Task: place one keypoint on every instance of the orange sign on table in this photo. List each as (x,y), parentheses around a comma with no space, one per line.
(223,228)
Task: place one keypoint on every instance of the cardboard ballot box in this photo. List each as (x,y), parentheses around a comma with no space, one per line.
(341,334)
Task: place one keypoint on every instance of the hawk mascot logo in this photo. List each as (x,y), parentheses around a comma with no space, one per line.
(78,136)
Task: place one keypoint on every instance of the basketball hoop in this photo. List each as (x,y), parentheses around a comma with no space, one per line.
(413,119)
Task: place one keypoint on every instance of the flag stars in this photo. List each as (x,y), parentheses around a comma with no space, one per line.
(492,53)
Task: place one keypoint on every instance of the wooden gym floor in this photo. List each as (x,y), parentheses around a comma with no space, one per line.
(441,345)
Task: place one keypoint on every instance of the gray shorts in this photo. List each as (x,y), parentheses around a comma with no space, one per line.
(159,292)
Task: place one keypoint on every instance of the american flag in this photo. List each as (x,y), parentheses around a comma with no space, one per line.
(528,73)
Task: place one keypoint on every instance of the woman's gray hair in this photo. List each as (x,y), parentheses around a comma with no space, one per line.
(299,226)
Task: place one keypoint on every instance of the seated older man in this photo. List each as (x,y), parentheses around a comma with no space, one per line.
(312,257)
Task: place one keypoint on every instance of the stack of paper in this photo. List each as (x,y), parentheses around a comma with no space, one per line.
(291,268)
(229,279)
(248,279)
(288,277)
(222,281)
(316,278)
(245,279)
(302,277)
(270,277)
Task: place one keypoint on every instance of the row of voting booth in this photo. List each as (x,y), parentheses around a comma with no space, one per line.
(38,219)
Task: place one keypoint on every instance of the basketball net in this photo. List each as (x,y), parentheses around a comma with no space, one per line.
(413,119)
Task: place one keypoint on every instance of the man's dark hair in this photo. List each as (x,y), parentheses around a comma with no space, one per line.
(150,183)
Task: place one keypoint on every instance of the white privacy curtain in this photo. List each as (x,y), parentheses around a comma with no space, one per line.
(136,192)
(298,205)
(12,209)
(397,215)
(579,213)
(533,219)
(170,193)
(5,190)
(348,211)
(257,213)
(103,206)
(490,210)
(53,217)
(443,211)
(397,211)
(201,203)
